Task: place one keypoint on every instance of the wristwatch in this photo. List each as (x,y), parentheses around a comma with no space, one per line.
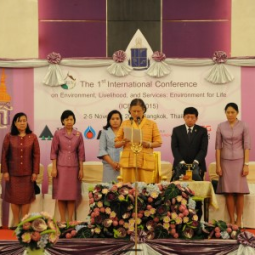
(246,163)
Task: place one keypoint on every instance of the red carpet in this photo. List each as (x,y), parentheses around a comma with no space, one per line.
(6,234)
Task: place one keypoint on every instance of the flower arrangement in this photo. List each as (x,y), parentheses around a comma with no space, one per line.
(220,229)
(165,210)
(70,229)
(37,231)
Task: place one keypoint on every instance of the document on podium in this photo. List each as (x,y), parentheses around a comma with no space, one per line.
(133,135)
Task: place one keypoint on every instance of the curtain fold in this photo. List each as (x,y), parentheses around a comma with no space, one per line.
(97,246)
(219,74)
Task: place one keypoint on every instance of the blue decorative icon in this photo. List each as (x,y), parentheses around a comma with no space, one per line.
(89,133)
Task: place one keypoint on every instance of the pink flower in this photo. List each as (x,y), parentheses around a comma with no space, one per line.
(182,208)
(97,196)
(68,236)
(220,57)
(124,191)
(229,230)
(176,235)
(217,235)
(235,227)
(186,212)
(115,223)
(158,56)
(172,231)
(73,233)
(121,222)
(217,229)
(181,215)
(26,226)
(150,199)
(54,58)
(119,56)
(35,236)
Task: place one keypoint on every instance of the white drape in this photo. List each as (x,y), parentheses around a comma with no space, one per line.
(219,73)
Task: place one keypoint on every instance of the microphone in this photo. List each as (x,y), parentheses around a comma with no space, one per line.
(138,120)
(131,119)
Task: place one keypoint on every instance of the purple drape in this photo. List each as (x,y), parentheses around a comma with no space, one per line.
(114,246)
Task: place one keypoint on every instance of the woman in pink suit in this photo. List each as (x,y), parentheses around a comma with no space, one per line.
(67,155)
(232,161)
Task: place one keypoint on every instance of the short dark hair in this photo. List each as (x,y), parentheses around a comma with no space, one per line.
(109,116)
(138,101)
(14,130)
(233,105)
(66,114)
(190,110)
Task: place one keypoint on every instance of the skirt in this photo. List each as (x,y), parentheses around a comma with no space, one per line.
(232,180)
(143,175)
(19,190)
(66,186)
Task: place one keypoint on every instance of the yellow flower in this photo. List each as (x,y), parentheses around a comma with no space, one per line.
(26,237)
(166,219)
(166,225)
(97,230)
(112,214)
(147,213)
(99,204)
(154,194)
(105,191)
(152,210)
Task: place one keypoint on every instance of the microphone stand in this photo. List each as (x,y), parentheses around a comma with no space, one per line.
(136,148)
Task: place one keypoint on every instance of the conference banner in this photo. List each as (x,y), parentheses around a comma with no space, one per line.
(92,93)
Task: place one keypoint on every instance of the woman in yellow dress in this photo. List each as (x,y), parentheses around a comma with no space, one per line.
(150,138)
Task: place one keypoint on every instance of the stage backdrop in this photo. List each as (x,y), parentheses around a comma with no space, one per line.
(92,93)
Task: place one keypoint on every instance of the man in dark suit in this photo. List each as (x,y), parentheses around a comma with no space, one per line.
(189,146)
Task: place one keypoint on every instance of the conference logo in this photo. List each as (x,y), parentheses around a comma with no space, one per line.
(89,133)
(70,82)
(5,103)
(138,51)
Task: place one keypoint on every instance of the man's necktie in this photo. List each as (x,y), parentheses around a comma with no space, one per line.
(189,133)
